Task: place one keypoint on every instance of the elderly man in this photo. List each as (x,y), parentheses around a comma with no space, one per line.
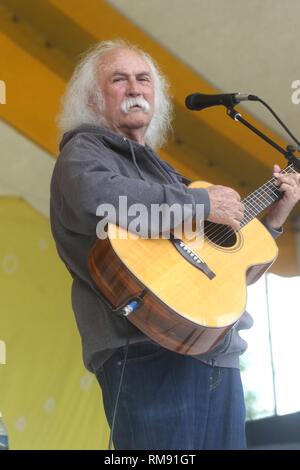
(116,110)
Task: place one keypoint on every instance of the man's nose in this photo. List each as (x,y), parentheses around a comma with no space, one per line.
(133,89)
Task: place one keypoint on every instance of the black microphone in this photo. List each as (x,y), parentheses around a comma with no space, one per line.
(198,101)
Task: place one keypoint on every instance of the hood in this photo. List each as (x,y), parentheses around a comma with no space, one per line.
(114,140)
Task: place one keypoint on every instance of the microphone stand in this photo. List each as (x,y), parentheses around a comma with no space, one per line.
(288,152)
(289,155)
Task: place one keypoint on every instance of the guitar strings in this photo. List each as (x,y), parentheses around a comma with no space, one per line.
(220,229)
(264,192)
(269,185)
(226,230)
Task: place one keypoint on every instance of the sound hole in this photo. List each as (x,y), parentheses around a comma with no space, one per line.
(221,235)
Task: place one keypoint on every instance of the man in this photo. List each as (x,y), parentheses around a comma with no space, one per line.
(116,110)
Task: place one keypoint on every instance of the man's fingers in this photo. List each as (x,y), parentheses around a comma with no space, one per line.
(235,225)
(287,187)
(237,195)
(276,169)
(292,180)
(240,210)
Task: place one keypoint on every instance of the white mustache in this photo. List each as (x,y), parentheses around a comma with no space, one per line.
(138,101)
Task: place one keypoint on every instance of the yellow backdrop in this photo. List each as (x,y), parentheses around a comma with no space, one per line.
(48,399)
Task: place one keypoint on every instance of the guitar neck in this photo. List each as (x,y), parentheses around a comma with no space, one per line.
(263,197)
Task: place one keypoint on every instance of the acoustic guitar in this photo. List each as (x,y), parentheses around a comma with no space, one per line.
(187,298)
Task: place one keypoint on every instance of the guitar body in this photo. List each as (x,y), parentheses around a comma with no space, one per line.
(183,308)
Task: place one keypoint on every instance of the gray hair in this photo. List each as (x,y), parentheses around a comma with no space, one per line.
(83,88)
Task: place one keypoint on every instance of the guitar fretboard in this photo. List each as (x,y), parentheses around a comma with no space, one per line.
(263,197)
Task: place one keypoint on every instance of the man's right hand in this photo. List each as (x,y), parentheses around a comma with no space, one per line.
(225,206)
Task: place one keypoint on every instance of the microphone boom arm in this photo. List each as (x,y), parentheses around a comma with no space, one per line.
(288,152)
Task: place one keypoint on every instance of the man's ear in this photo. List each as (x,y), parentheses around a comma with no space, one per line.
(92,104)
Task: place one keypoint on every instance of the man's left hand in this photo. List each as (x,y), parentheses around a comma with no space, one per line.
(289,184)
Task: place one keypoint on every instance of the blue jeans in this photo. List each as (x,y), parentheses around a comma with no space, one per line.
(170,401)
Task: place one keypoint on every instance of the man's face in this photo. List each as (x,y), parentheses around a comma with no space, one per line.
(125,75)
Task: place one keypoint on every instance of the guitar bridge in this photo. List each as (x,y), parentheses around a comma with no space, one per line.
(192,257)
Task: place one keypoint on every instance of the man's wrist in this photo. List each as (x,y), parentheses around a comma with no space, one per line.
(276,227)
(273,225)
(274,231)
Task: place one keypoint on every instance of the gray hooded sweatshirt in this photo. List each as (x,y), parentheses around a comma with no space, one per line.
(95,166)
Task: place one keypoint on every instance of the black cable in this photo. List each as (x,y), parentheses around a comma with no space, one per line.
(110,443)
(279,120)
